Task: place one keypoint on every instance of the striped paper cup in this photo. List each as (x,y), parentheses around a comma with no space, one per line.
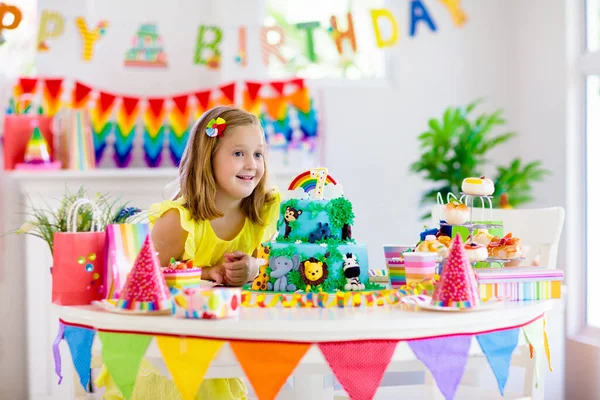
(394,261)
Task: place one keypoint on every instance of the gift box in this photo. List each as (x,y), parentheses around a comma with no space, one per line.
(519,283)
(207,303)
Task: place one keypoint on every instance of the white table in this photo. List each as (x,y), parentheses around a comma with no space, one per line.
(314,325)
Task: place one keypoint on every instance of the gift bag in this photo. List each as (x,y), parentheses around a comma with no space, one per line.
(78,268)
(75,141)
(123,243)
(17,131)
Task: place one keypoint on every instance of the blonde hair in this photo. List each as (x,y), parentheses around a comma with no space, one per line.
(198,186)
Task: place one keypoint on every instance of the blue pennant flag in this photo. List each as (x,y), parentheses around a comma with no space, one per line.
(80,344)
(498,348)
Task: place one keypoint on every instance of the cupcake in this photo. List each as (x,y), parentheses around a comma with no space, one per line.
(455,213)
(475,252)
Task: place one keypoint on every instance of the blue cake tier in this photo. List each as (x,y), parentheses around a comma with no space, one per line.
(315,221)
(294,266)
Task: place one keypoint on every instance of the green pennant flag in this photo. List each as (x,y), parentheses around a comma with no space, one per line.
(122,353)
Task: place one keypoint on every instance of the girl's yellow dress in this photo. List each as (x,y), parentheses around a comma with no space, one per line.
(205,248)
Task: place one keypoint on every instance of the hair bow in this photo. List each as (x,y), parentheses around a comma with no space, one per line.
(216,127)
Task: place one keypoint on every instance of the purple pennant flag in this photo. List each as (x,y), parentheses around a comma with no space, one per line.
(445,358)
(56,351)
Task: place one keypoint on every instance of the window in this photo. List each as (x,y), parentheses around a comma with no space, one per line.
(368,62)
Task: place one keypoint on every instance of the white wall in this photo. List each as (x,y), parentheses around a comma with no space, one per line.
(507,53)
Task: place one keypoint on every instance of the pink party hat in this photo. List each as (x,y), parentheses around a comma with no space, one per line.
(145,289)
(457,286)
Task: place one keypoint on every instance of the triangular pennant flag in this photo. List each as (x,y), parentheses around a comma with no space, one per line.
(56,351)
(28,84)
(298,82)
(252,106)
(300,100)
(156,106)
(106,100)
(253,89)
(534,334)
(80,94)
(187,360)
(80,342)
(498,348)
(129,104)
(359,366)
(445,357)
(181,102)
(278,86)
(229,92)
(547,346)
(268,364)
(53,86)
(276,107)
(122,353)
(203,98)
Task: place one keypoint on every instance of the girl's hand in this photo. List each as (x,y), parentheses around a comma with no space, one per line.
(216,274)
(240,268)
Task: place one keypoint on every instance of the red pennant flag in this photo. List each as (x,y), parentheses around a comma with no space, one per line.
(156,106)
(359,366)
(229,91)
(253,89)
(203,98)
(53,86)
(181,102)
(278,86)
(298,82)
(106,100)
(129,104)
(268,364)
(28,84)
(80,92)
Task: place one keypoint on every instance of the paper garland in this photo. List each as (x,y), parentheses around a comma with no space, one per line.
(127,116)
(459,18)
(358,365)
(376,15)
(204,47)
(154,131)
(101,125)
(341,37)
(89,37)
(418,13)
(52,26)
(179,123)
(17,17)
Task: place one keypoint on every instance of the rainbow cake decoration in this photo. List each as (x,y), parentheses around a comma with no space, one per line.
(182,275)
(314,250)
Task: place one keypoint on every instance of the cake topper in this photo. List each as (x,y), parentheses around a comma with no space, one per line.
(312,180)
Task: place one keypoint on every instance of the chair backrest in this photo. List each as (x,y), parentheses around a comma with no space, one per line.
(539,229)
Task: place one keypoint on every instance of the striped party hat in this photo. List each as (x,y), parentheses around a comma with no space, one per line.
(145,289)
(37,151)
(457,286)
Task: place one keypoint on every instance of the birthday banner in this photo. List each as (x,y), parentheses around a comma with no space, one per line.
(358,365)
(285,108)
(147,48)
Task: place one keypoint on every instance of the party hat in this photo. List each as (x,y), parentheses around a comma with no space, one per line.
(145,289)
(457,286)
(37,151)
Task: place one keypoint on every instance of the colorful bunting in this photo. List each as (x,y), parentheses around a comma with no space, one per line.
(81,95)
(445,357)
(101,126)
(534,334)
(179,120)
(154,131)
(498,348)
(122,353)
(268,364)
(188,360)
(56,351)
(547,346)
(127,116)
(203,101)
(80,342)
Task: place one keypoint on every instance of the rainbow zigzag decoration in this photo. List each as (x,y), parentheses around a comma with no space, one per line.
(125,131)
(179,119)
(51,96)
(154,131)
(101,126)
(307,182)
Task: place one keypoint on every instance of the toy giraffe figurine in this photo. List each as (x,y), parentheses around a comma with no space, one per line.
(321,175)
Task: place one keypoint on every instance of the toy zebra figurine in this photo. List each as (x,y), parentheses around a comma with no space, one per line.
(352,273)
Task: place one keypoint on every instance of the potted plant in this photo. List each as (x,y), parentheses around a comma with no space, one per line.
(456,146)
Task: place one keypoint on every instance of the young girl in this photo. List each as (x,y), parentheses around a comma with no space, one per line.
(221,215)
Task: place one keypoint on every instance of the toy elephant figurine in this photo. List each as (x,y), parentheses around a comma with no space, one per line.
(280,266)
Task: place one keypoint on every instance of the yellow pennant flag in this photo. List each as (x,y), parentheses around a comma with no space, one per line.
(188,360)
(534,334)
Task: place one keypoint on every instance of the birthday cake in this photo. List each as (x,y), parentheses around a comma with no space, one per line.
(314,250)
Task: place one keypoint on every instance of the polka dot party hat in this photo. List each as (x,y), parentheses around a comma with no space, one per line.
(145,289)
(457,286)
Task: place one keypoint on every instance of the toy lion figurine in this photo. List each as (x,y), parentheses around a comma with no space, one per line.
(313,272)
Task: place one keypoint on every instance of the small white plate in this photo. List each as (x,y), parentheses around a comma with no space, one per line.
(424,302)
